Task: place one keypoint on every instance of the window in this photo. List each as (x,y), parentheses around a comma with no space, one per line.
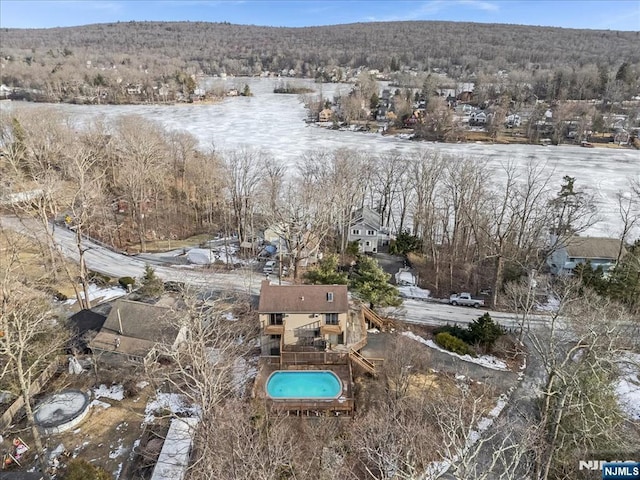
(368,244)
(371,233)
(331,319)
(329,296)
(275,318)
(355,231)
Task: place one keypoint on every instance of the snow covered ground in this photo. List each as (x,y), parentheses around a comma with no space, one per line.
(114,392)
(173,402)
(415,293)
(282,132)
(205,256)
(627,386)
(488,361)
(103,294)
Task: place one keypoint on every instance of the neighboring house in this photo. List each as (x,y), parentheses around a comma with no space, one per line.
(477,118)
(325,115)
(300,245)
(598,251)
(299,316)
(513,120)
(365,228)
(134,331)
(85,325)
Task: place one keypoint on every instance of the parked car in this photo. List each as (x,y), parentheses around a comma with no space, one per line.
(465,299)
(269,267)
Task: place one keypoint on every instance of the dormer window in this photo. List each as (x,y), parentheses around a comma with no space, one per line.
(329,296)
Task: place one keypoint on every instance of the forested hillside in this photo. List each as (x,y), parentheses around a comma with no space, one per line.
(161,48)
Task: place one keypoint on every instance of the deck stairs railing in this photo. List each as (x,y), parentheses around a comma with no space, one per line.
(373,318)
(362,361)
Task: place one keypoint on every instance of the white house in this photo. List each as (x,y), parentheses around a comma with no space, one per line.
(478,118)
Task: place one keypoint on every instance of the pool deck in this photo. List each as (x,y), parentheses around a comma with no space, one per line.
(341,406)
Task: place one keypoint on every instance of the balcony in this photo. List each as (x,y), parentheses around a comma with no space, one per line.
(331,329)
(275,329)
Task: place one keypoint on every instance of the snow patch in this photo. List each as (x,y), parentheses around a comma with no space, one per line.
(114,392)
(100,404)
(118,452)
(203,256)
(487,361)
(415,293)
(242,373)
(171,402)
(627,387)
(96,292)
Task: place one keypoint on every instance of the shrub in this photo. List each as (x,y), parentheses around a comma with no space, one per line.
(453,344)
(455,331)
(485,331)
(78,469)
(99,279)
(60,297)
(126,281)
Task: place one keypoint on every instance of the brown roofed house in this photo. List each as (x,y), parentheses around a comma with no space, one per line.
(305,316)
(135,330)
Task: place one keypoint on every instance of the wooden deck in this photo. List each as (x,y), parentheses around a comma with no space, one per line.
(343,405)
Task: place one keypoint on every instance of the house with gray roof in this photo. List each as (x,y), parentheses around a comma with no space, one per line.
(597,251)
(137,332)
(366,229)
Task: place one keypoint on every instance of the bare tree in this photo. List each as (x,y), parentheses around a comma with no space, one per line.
(244,174)
(578,346)
(140,153)
(31,339)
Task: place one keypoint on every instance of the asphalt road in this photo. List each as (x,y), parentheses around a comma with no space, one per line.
(436,313)
(101,259)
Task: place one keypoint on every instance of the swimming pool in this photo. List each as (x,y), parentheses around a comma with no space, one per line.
(303,384)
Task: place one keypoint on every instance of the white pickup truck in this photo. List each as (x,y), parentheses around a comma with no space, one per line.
(466,300)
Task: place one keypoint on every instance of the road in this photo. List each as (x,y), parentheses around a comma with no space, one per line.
(100,259)
(108,262)
(436,313)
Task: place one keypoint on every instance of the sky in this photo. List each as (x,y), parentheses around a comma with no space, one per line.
(605,15)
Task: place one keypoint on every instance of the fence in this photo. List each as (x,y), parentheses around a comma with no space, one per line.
(313,358)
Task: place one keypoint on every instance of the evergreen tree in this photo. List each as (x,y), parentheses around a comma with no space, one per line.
(371,284)
(326,273)
(404,243)
(152,286)
(485,331)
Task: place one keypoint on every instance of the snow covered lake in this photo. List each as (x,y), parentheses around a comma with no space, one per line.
(275,124)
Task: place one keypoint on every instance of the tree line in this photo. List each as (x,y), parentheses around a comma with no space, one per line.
(132,182)
(94,59)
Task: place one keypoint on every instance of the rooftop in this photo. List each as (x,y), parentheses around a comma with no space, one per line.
(303,298)
(593,247)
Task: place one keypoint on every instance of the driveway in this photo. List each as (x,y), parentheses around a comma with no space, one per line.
(390,264)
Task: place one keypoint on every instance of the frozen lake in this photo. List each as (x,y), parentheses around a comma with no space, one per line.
(275,123)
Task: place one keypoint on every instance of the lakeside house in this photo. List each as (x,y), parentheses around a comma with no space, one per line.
(312,327)
(597,251)
(366,229)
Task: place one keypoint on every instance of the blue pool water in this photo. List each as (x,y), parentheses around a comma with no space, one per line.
(304,384)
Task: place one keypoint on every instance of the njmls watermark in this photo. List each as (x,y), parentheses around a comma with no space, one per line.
(613,470)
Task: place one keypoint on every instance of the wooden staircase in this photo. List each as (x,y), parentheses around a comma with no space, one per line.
(374,318)
(359,359)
